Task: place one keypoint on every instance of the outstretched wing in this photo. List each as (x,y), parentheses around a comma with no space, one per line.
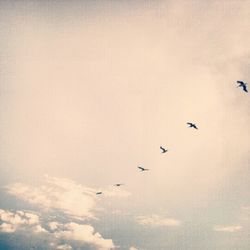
(245,88)
(141,168)
(240,82)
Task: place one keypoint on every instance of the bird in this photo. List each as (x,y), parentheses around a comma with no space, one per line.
(192,125)
(119,184)
(163,150)
(243,85)
(98,193)
(143,169)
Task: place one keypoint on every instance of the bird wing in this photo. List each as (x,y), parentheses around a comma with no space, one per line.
(240,82)
(163,149)
(245,88)
(189,123)
(141,168)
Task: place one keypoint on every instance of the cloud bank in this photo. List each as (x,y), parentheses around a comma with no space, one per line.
(82,234)
(19,220)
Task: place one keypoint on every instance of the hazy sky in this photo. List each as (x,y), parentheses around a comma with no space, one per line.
(92,89)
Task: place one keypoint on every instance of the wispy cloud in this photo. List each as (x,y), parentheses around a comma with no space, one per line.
(156,221)
(230,229)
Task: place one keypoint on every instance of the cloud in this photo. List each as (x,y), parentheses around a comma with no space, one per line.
(156,221)
(29,222)
(133,248)
(70,198)
(62,194)
(230,229)
(39,229)
(13,221)
(64,247)
(53,225)
(84,234)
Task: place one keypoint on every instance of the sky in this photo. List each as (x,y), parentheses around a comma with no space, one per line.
(89,90)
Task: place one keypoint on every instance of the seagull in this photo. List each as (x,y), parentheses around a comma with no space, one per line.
(191,125)
(163,150)
(143,169)
(243,85)
(119,184)
(98,193)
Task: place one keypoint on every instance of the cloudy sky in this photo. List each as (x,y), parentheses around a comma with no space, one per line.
(91,89)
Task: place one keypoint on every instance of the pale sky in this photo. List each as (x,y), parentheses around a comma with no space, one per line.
(92,89)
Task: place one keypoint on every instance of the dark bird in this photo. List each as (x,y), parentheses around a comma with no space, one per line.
(143,169)
(163,150)
(98,193)
(243,85)
(118,184)
(192,125)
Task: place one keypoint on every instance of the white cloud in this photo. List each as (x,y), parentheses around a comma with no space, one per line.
(63,194)
(13,221)
(230,229)
(83,233)
(155,221)
(39,229)
(69,197)
(7,228)
(64,247)
(53,225)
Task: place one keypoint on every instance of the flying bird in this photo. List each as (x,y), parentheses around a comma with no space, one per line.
(163,150)
(243,85)
(192,125)
(143,169)
(119,184)
(98,193)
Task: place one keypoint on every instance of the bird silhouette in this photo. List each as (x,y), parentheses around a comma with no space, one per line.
(163,150)
(119,184)
(98,193)
(143,169)
(192,125)
(243,85)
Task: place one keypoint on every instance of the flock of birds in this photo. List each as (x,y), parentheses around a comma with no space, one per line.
(241,84)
